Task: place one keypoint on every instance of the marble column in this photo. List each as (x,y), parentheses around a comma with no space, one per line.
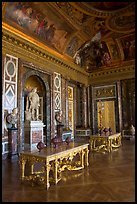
(84,107)
(88,107)
(93,111)
(119,105)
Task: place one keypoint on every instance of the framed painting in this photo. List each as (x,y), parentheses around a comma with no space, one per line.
(128,45)
(114,50)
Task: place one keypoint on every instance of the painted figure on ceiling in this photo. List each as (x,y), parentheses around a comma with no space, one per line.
(106,59)
(78,58)
(49,33)
(132,50)
(41,27)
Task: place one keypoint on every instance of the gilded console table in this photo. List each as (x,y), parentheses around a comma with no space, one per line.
(52,162)
(105,143)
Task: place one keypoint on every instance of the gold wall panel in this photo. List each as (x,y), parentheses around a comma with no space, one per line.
(106,115)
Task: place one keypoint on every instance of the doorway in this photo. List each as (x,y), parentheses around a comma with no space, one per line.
(106,115)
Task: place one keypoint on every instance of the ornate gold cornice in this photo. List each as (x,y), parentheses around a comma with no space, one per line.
(20,36)
(91,11)
(3,8)
(125,71)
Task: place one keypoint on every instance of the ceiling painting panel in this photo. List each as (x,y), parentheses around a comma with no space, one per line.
(39,23)
(114,50)
(128,44)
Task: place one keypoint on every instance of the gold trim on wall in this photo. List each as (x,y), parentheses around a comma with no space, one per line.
(21,35)
(127,71)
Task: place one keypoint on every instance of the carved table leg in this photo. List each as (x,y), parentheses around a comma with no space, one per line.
(86,157)
(32,168)
(56,171)
(110,145)
(47,170)
(22,164)
(94,143)
(91,144)
(82,158)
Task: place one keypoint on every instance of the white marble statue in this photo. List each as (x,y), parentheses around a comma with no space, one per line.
(32,105)
(132,130)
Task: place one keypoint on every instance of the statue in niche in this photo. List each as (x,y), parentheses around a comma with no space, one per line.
(78,59)
(32,106)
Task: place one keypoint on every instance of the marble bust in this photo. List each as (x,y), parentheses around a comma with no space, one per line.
(58,117)
(12,117)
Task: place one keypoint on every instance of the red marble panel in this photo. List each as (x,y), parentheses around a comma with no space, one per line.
(36,136)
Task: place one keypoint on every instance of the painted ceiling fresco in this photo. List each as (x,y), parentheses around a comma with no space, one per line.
(41,23)
(90,34)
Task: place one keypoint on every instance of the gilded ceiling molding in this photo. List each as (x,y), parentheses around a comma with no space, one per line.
(65,15)
(89,10)
(70,18)
(4,4)
(124,72)
(121,24)
(18,34)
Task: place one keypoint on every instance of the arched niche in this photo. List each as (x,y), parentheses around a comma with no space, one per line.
(32,79)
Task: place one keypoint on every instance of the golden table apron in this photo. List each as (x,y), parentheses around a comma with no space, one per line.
(53,161)
(105,143)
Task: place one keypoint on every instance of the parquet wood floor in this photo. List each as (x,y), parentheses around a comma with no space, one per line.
(109,178)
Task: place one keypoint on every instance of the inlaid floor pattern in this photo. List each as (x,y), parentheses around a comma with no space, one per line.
(110,177)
